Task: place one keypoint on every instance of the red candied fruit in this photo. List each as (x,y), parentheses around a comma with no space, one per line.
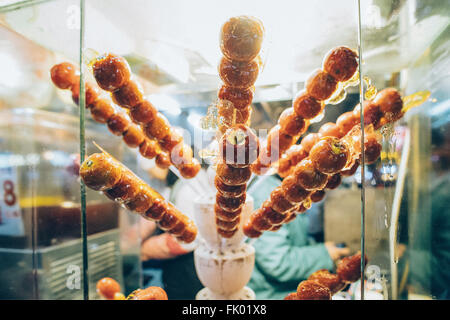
(321,85)
(341,63)
(307,106)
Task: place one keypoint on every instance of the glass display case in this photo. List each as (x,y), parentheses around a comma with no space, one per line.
(58,238)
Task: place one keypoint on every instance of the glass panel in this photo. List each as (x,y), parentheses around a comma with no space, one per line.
(405,46)
(40,214)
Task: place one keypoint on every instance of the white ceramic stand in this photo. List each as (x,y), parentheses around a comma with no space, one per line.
(224,266)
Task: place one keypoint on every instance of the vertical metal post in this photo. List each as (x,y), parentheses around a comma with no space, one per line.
(82,108)
(363,179)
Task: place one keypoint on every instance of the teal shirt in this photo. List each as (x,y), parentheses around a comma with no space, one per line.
(286,257)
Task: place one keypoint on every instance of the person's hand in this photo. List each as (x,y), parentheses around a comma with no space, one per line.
(335,252)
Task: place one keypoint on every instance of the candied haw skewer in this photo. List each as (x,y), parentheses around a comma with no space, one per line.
(101,172)
(348,271)
(340,64)
(66,76)
(238,147)
(241,40)
(150,293)
(108,288)
(386,107)
(113,74)
(328,157)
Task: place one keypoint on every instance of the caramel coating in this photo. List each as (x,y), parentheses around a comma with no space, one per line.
(230,204)
(334,181)
(107,288)
(259,221)
(118,124)
(327,279)
(162,160)
(292,191)
(250,232)
(317,196)
(228,225)
(148,149)
(141,201)
(240,98)
(276,228)
(233,176)
(390,103)
(291,217)
(279,202)
(330,129)
(291,123)
(144,112)
(227,190)
(226,215)
(351,171)
(181,154)
(321,85)
(307,106)
(128,95)
(349,268)
(239,146)
(133,137)
(278,142)
(229,115)
(158,128)
(241,38)
(308,176)
(341,63)
(274,218)
(311,290)
(309,141)
(125,189)
(111,72)
(189,234)
(157,210)
(170,219)
(262,165)
(372,113)
(190,170)
(284,166)
(372,148)
(100,172)
(64,75)
(291,296)
(171,140)
(150,293)
(238,74)
(179,227)
(226,233)
(102,110)
(329,155)
(294,155)
(91,93)
(347,121)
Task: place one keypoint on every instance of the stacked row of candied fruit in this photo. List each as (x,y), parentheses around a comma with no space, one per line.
(339,65)
(66,76)
(377,112)
(322,284)
(101,172)
(329,158)
(113,74)
(240,42)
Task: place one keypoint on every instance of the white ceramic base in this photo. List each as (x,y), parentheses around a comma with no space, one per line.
(244,294)
(224,271)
